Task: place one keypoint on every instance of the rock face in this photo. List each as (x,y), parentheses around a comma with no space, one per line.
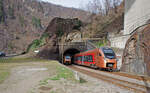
(58,31)
(136,57)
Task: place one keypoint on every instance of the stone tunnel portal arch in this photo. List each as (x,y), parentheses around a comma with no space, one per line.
(71,52)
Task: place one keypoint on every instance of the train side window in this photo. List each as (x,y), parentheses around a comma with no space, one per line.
(86,58)
(80,58)
(90,58)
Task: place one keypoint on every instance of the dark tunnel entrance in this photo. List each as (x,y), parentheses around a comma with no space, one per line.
(71,52)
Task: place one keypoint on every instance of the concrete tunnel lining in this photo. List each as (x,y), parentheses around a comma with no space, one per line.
(71,52)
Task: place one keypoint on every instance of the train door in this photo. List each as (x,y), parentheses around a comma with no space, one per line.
(99,61)
(82,60)
(86,60)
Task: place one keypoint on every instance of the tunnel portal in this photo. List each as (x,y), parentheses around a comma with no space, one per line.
(71,52)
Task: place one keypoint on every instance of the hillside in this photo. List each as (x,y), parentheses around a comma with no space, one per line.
(101,25)
(23,21)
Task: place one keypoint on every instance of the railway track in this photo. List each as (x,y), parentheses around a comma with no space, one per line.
(147,79)
(122,80)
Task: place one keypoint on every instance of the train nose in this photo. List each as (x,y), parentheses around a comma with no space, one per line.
(110,69)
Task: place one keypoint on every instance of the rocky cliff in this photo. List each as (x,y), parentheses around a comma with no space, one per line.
(58,31)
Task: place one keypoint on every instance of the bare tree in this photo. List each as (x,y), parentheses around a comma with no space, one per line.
(94,6)
(90,7)
(115,5)
(98,6)
(107,6)
(102,6)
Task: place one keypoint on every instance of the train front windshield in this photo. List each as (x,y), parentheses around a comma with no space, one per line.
(67,57)
(109,53)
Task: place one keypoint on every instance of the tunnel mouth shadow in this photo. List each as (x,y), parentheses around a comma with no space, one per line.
(71,52)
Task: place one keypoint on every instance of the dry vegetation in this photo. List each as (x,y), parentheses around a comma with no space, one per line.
(19,29)
(6,64)
(22,21)
(105,19)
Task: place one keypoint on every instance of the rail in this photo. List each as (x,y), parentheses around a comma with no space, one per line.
(120,80)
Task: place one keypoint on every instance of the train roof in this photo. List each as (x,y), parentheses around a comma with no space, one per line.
(105,48)
(101,48)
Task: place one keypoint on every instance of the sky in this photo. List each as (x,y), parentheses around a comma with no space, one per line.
(69,3)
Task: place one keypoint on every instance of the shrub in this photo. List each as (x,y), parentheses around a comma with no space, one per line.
(63,73)
(101,43)
(59,33)
(22,21)
(11,12)
(36,22)
(10,46)
(35,44)
(38,42)
(2,13)
(78,25)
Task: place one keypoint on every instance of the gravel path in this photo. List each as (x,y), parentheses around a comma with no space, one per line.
(23,79)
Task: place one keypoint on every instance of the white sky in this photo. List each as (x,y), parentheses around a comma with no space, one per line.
(69,3)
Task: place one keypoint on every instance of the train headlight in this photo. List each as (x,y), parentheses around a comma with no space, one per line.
(105,60)
(117,59)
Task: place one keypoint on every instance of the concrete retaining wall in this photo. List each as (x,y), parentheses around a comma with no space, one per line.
(137,13)
(118,42)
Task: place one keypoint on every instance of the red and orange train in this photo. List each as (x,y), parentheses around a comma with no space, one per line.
(103,58)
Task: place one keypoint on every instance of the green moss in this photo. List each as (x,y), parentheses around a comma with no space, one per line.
(63,73)
(36,22)
(38,42)
(55,78)
(82,80)
(12,60)
(59,32)
(3,75)
(101,43)
(43,39)
(22,20)
(52,92)
(44,82)
(78,25)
